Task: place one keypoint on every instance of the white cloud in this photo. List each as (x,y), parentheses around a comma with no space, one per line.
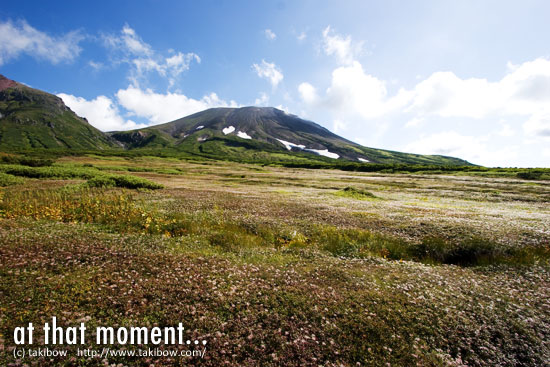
(341,47)
(159,108)
(354,92)
(360,98)
(339,125)
(100,112)
(515,105)
(21,38)
(506,130)
(473,149)
(524,90)
(270,35)
(538,125)
(96,65)
(308,93)
(301,37)
(414,122)
(180,62)
(128,42)
(352,89)
(262,100)
(130,49)
(269,71)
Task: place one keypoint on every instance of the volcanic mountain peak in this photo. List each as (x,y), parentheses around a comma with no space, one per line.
(252,132)
(30,118)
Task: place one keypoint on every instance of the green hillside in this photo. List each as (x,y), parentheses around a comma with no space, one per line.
(263,134)
(30,118)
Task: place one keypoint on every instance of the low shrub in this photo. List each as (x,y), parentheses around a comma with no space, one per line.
(123,181)
(359,194)
(26,161)
(529,175)
(56,172)
(8,180)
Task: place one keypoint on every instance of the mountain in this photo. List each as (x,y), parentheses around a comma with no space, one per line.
(30,118)
(262,133)
(33,119)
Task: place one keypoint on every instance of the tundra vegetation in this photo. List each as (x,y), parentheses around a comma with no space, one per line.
(351,265)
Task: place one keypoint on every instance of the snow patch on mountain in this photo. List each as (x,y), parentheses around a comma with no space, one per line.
(290,145)
(228,130)
(324,153)
(243,135)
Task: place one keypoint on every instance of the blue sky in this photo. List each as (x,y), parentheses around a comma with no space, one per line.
(463,78)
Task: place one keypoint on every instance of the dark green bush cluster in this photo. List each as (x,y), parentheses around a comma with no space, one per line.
(472,251)
(123,181)
(529,175)
(58,172)
(533,174)
(8,180)
(26,161)
(355,193)
(95,177)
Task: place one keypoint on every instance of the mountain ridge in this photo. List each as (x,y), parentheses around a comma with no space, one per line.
(268,128)
(33,119)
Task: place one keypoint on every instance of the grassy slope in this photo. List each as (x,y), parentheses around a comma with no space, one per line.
(35,119)
(274,267)
(264,124)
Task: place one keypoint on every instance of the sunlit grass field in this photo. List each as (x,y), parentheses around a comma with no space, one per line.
(279,266)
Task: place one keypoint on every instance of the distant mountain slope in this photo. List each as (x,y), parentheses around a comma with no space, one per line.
(261,133)
(33,119)
(30,118)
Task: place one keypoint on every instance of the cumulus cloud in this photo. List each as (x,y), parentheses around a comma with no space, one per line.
(269,71)
(129,48)
(473,149)
(100,112)
(524,90)
(341,47)
(308,93)
(18,38)
(353,93)
(159,108)
(513,104)
(538,125)
(262,100)
(301,37)
(270,35)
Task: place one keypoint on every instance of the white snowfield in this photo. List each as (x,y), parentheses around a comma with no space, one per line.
(243,135)
(289,145)
(363,160)
(199,127)
(228,130)
(324,153)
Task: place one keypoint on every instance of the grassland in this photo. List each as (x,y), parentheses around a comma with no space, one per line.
(280,266)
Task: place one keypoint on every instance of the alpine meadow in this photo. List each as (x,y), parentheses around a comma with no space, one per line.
(331,204)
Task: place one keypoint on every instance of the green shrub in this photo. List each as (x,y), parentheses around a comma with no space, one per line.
(123,181)
(529,175)
(25,161)
(8,180)
(352,192)
(469,252)
(57,172)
